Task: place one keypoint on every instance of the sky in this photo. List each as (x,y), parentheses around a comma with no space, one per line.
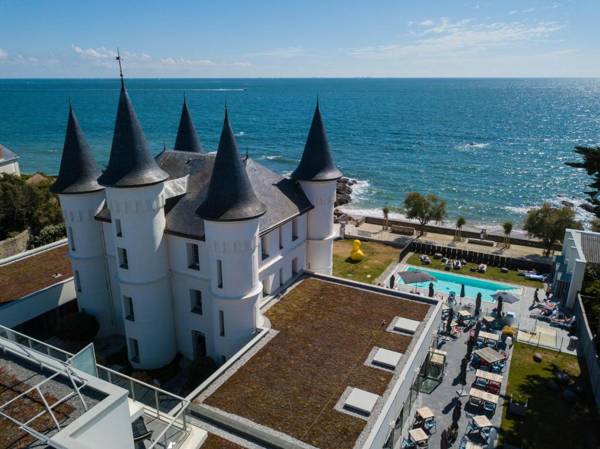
(309,38)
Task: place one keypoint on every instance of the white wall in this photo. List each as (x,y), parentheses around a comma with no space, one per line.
(146,279)
(86,252)
(320,229)
(11,168)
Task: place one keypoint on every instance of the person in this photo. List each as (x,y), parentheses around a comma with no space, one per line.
(536,299)
(392,281)
(509,342)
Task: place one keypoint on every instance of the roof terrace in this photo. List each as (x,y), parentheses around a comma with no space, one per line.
(306,378)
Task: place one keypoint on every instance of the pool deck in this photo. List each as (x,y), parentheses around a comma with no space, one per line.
(530,330)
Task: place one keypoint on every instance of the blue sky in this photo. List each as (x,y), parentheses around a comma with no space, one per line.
(280,38)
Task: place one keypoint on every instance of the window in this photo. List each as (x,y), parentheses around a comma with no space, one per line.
(193,256)
(77,281)
(128,308)
(122,253)
(280,237)
(294,229)
(118,229)
(71,238)
(221,323)
(220,274)
(295,269)
(264,247)
(196,301)
(281,277)
(134,350)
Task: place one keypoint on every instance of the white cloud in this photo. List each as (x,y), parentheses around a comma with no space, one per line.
(427,23)
(444,37)
(283,53)
(186,62)
(3,54)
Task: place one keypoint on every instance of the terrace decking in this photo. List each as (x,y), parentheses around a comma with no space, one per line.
(323,335)
(33,273)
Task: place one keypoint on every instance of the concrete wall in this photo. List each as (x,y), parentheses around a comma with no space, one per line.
(14,245)
(587,349)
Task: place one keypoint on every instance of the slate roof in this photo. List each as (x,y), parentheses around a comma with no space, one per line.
(130,163)
(590,244)
(317,162)
(283,197)
(187,138)
(78,171)
(6,154)
(230,195)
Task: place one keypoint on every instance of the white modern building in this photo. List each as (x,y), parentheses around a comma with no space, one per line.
(9,162)
(177,252)
(580,248)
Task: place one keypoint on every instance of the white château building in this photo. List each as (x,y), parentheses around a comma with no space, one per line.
(177,252)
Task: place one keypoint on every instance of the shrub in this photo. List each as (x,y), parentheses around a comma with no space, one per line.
(78,326)
(48,234)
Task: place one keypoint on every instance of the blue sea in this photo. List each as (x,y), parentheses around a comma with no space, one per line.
(492,148)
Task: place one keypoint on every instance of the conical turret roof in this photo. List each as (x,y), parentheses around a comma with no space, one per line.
(230,195)
(130,163)
(187,138)
(78,171)
(317,163)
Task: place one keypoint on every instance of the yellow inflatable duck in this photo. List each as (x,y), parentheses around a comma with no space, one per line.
(356,255)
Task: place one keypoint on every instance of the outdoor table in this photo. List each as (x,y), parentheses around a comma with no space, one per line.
(471,445)
(489,336)
(489,355)
(482,421)
(484,396)
(425,413)
(418,435)
(489,376)
(465,314)
(438,357)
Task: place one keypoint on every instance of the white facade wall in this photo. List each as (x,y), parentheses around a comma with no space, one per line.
(146,280)
(86,251)
(234,284)
(113,277)
(10,167)
(321,233)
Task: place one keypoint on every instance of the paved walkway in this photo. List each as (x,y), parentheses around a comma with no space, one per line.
(517,251)
(445,397)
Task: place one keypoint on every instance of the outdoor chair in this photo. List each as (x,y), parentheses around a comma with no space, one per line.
(485,433)
(481,383)
(475,402)
(489,407)
(493,387)
(497,368)
(408,443)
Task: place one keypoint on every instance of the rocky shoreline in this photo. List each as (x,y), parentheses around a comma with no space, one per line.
(343,191)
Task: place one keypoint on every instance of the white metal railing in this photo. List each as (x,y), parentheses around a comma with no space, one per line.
(167,407)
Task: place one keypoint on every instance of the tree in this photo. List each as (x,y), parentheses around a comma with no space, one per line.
(549,224)
(460,222)
(386,213)
(508,227)
(591,164)
(424,208)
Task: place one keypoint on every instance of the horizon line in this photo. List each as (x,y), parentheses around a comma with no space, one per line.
(292,77)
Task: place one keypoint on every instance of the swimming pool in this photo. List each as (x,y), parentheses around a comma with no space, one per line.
(450,282)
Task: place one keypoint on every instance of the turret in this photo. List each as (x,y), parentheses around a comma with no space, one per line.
(318,175)
(81,197)
(231,213)
(187,138)
(135,197)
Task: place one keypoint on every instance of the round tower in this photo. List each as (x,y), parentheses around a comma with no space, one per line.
(81,198)
(318,175)
(135,197)
(231,213)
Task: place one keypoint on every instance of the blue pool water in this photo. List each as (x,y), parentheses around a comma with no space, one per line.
(448,282)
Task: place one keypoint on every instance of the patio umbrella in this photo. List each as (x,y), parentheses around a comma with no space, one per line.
(449,322)
(499,306)
(462,290)
(415,277)
(507,297)
(462,376)
(477,304)
(444,441)
(431,291)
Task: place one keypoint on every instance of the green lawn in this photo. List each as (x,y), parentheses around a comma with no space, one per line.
(377,258)
(551,422)
(492,273)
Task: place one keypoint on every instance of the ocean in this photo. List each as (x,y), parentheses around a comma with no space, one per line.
(492,148)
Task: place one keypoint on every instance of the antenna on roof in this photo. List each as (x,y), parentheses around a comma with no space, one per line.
(118,58)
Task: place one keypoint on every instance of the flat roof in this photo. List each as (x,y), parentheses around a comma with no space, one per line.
(322,334)
(17,376)
(35,272)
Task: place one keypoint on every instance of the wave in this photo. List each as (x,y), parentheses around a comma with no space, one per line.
(240,134)
(471,146)
(360,189)
(581,214)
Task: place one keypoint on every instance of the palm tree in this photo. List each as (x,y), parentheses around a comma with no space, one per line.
(460,222)
(507,226)
(386,212)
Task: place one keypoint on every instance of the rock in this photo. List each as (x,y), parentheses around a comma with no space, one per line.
(587,207)
(567,203)
(537,357)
